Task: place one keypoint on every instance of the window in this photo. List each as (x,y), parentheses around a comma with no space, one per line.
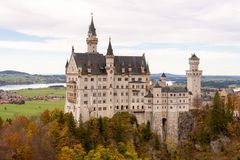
(104,94)
(104,87)
(133,79)
(119,79)
(92,79)
(85,79)
(126,79)
(104,79)
(85,95)
(140,79)
(104,108)
(122,94)
(104,101)
(85,102)
(100,108)
(85,87)
(115,94)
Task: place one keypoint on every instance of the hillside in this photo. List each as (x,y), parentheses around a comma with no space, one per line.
(212,81)
(14,77)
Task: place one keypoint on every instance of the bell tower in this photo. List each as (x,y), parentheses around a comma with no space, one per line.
(92,39)
(194,78)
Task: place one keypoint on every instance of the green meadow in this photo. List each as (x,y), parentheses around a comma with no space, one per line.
(41,92)
(33,108)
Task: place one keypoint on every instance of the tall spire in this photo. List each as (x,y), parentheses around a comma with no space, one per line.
(110,50)
(92,39)
(72,49)
(92,28)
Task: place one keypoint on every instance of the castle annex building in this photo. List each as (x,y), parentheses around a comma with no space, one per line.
(104,84)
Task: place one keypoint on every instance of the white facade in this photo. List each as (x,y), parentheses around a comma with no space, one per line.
(101,85)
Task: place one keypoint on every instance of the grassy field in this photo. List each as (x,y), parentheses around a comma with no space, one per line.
(41,92)
(33,108)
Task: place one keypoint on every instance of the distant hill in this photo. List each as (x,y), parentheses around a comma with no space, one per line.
(213,81)
(15,77)
(13,72)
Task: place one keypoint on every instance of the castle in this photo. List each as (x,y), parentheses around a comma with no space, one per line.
(100,85)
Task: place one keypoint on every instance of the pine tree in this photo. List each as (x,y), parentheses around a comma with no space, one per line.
(229,109)
(71,123)
(147,133)
(217,118)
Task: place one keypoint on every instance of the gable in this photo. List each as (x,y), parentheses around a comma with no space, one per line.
(72,67)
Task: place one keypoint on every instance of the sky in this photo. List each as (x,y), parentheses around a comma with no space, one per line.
(36,36)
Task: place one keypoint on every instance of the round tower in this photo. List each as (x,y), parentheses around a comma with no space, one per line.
(194,77)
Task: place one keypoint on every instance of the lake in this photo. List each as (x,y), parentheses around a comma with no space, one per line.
(26,86)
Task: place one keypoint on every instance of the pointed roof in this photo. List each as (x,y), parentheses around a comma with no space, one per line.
(157,85)
(163,75)
(66,64)
(194,57)
(92,28)
(72,49)
(110,50)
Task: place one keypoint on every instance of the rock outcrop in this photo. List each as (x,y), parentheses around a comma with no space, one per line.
(219,144)
(185,126)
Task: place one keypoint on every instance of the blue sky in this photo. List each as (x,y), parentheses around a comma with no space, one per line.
(36,36)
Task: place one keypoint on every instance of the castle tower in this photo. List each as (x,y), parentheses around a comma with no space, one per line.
(110,76)
(92,39)
(163,80)
(194,77)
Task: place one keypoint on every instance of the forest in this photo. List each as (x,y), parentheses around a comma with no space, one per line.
(54,135)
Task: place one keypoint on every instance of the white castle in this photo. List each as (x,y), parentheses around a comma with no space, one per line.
(100,85)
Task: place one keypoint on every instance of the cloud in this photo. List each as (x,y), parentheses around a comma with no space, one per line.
(167,30)
(10,35)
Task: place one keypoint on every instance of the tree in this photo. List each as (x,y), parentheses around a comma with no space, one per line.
(45,117)
(1,122)
(102,153)
(217,118)
(75,153)
(147,133)
(70,123)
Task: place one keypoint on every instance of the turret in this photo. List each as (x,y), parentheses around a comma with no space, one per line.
(109,56)
(92,39)
(194,77)
(163,80)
